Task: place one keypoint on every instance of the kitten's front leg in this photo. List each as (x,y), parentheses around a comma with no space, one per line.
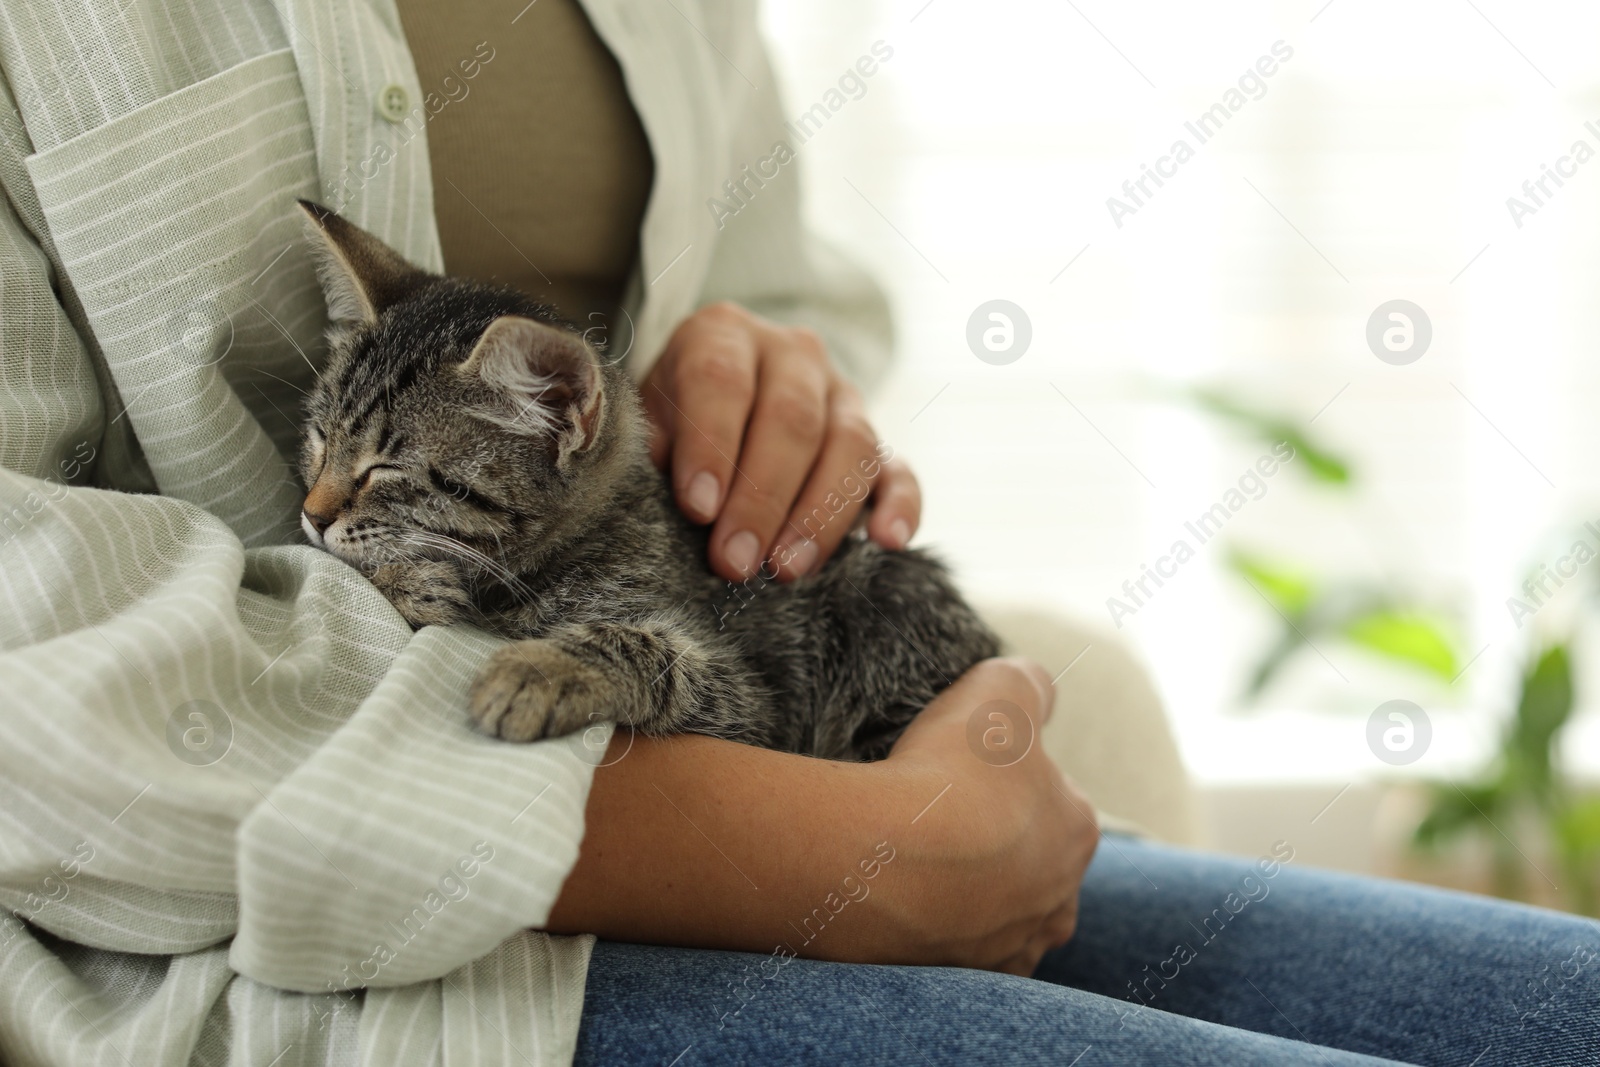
(656,676)
(426,592)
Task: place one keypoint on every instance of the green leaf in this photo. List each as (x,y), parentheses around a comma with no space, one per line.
(1578,829)
(1282,650)
(1290,590)
(1544,709)
(1322,464)
(1455,810)
(1406,637)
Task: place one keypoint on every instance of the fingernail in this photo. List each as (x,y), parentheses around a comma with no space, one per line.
(744,552)
(900,532)
(702,495)
(799,558)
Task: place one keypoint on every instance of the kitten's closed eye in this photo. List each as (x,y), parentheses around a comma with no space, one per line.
(461,492)
(365,478)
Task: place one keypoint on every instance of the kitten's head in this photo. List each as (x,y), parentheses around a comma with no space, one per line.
(452,418)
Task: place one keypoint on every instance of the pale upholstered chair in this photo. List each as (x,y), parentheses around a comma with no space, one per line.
(1109,731)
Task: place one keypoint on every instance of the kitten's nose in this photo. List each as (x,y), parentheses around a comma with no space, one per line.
(317,521)
(322,506)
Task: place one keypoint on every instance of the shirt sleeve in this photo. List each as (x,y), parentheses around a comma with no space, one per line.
(769,260)
(205,741)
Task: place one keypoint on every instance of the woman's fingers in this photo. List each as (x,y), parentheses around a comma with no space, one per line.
(1060,927)
(1025,961)
(707,397)
(1045,685)
(787,428)
(897,507)
(1023,964)
(761,436)
(836,491)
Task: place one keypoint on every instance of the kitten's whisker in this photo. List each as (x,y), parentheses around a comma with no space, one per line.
(453,547)
(285,381)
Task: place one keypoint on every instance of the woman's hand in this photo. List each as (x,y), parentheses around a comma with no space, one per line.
(1001,856)
(762,436)
(706,843)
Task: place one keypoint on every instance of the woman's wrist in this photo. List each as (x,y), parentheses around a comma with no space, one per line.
(696,841)
(946,849)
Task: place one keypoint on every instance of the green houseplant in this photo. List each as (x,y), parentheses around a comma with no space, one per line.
(1523,784)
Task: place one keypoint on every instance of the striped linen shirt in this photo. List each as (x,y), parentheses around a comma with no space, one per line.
(243,816)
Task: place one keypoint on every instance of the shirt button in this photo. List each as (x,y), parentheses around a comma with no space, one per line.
(394,103)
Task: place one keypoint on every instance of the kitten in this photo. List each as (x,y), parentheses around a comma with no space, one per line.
(482,464)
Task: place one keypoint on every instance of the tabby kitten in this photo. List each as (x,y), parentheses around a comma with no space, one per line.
(482,464)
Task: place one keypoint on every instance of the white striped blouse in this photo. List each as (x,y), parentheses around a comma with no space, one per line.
(243,817)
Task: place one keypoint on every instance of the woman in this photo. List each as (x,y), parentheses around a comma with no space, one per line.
(243,815)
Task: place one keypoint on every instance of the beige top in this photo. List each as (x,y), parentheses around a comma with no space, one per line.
(541,169)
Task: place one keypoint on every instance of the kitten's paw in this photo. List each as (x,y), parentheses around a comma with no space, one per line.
(425,592)
(533,689)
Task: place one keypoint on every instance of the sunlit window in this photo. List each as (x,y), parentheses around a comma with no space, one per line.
(1204,214)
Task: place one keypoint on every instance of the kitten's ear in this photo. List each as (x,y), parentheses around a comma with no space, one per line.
(550,377)
(360,274)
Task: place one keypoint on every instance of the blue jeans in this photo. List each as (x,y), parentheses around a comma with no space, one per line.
(1181,959)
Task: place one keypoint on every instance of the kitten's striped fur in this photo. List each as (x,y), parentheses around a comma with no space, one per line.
(483,465)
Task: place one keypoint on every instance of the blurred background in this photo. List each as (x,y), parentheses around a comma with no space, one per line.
(1173,343)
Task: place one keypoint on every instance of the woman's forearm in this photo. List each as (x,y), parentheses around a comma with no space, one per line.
(934,855)
(696,841)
